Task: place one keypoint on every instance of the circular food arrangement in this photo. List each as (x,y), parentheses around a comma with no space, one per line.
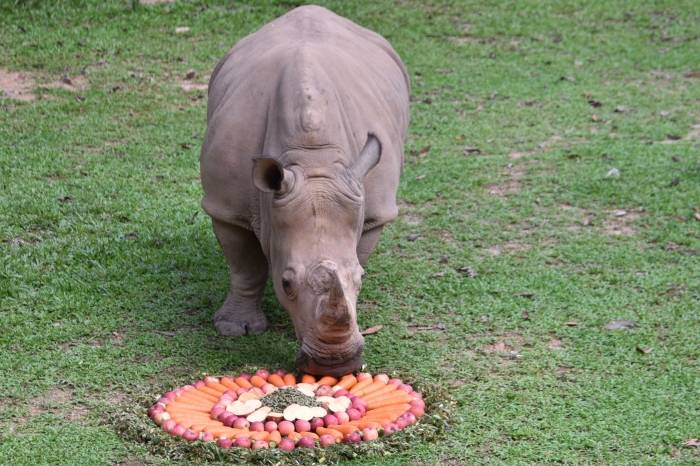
(275,410)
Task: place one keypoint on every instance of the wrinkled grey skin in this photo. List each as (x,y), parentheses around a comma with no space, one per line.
(300,165)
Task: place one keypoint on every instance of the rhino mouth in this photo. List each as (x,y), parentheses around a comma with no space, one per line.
(335,367)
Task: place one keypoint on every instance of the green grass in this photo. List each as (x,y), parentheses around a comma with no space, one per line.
(110,273)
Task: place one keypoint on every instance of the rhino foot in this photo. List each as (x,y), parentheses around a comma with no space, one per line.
(233,323)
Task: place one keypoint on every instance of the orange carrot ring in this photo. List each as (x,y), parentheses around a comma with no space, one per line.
(276,380)
(257,381)
(243,383)
(327,380)
(229,383)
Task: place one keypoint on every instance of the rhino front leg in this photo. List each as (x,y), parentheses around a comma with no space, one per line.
(368,241)
(241,313)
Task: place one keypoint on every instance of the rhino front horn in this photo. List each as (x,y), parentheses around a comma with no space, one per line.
(336,312)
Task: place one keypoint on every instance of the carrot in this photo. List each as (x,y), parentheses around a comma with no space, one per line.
(202,426)
(179,408)
(260,435)
(189,414)
(217,386)
(222,431)
(388,401)
(384,416)
(347,381)
(182,409)
(360,386)
(275,436)
(243,383)
(276,380)
(229,383)
(327,380)
(344,429)
(387,408)
(296,436)
(243,433)
(310,434)
(205,408)
(371,388)
(289,379)
(197,419)
(389,417)
(308,378)
(363,424)
(187,422)
(200,395)
(257,381)
(210,391)
(376,394)
(335,433)
(192,405)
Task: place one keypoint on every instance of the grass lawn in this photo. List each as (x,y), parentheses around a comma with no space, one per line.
(551,186)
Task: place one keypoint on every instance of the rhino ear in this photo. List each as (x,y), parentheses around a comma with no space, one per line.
(369,157)
(270,176)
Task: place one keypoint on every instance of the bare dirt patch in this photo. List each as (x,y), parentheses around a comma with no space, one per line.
(510,186)
(189,86)
(555,344)
(618,222)
(58,400)
(508,346)
(621,222)
(508,248)
(16,85)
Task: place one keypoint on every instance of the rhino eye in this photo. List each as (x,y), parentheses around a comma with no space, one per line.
(288,284)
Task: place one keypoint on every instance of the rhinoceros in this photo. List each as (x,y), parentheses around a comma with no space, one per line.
(300,165)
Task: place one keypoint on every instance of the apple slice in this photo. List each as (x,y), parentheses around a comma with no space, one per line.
(259,414)
(290,412)
(243,408)
(307,389)
(252,394)
(295,411)
(342,401)
(304,413)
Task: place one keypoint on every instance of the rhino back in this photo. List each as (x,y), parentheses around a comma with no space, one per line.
(307,62)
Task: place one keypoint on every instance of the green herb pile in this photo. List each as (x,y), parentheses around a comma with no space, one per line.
(280,399)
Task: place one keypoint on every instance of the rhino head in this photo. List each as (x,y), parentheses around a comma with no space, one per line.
(314,221)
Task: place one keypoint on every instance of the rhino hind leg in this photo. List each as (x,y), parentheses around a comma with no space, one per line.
(368,242)
(241,313)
